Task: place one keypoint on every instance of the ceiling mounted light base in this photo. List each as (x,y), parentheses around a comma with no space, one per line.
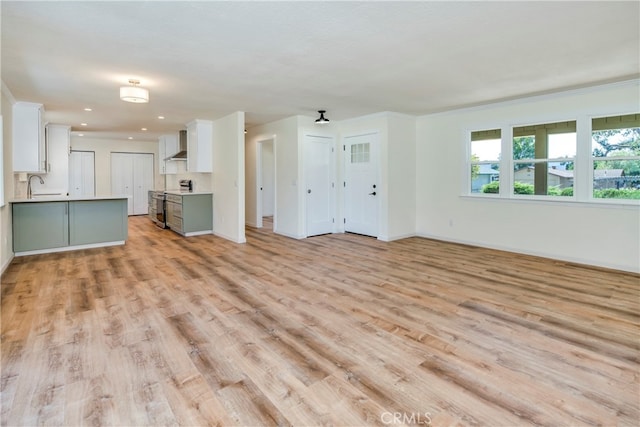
(134,93)
(322,119)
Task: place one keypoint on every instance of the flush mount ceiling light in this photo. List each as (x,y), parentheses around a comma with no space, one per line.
(322,119)
(134,93)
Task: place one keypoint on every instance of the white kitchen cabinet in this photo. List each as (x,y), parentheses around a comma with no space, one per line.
(29,145)
(56,179)
(168,145)
(132,176)
(200,146)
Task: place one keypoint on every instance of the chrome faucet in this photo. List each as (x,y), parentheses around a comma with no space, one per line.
(29,191)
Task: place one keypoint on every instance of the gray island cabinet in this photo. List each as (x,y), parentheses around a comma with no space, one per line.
(52,225)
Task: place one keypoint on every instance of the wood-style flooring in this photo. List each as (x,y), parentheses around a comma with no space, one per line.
(331,330)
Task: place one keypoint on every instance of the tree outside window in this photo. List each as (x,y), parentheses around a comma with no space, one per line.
(616,157)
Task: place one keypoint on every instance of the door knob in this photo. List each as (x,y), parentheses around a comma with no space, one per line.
(309,191)
(372,194)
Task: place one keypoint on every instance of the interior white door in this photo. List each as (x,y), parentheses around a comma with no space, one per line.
(319,184)
(361,187)
(142,182)
(122,177)
(132,176)
(82,174)
(268,179)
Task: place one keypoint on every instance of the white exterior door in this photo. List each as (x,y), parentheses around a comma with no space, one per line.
(319,184)
(361,187)
(82,174)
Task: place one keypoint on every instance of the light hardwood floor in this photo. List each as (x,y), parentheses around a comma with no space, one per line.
(332,330)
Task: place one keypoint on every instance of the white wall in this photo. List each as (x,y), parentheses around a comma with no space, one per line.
(6,234)
(401,177)
(397,187)
(201,181)
(228,177)
(288,174)
(103,149)
(592,233)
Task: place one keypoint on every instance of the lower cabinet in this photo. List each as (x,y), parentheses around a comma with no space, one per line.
(97,221)
(61,225)
(41,225)
(190,214)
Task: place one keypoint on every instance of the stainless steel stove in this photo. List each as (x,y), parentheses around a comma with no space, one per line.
(157,208)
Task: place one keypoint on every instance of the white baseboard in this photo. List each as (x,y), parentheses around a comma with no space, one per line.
(576,260)
(398,237)
(198,233)
(230,238)
(292,236)
(6,265)
(70,248)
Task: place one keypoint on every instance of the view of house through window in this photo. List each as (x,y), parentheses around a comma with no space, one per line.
(543,159)
(485,161)
(616,157)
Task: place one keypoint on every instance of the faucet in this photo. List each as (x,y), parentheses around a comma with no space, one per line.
(29,192)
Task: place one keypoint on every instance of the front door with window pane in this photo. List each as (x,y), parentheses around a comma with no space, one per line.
(362,187)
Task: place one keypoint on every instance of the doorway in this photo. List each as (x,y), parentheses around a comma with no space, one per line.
(362,184)
(266,183)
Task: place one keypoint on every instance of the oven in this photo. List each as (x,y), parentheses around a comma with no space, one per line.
(157,208)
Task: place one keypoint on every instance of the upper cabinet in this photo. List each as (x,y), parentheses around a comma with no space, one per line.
(200,146)
(29,145)
(167,146)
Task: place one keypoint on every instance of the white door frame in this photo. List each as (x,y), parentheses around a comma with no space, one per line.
(259,182)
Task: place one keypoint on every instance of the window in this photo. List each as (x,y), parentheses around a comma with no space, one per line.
(615,148)
(360,153)
(485,161)
(543,159)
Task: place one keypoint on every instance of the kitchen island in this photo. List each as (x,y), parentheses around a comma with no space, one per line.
(59,223)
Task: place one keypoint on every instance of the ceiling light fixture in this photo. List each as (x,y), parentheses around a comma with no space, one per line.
(322,119)
(134,93)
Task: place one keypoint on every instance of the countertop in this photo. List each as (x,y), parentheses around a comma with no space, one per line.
(185,193)
(60,198)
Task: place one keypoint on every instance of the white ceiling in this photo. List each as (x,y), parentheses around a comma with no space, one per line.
(277,59)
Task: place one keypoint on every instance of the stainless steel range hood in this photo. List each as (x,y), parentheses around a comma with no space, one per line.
(182,154)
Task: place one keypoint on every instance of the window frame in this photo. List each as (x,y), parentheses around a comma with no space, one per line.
(550,128)
(583,163)
(470,163)
(593,159)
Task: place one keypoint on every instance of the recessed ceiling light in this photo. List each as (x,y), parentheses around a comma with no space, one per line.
(143,129)
(161,117)
(83,124)
(88,109)
(130,137)
(81,134)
